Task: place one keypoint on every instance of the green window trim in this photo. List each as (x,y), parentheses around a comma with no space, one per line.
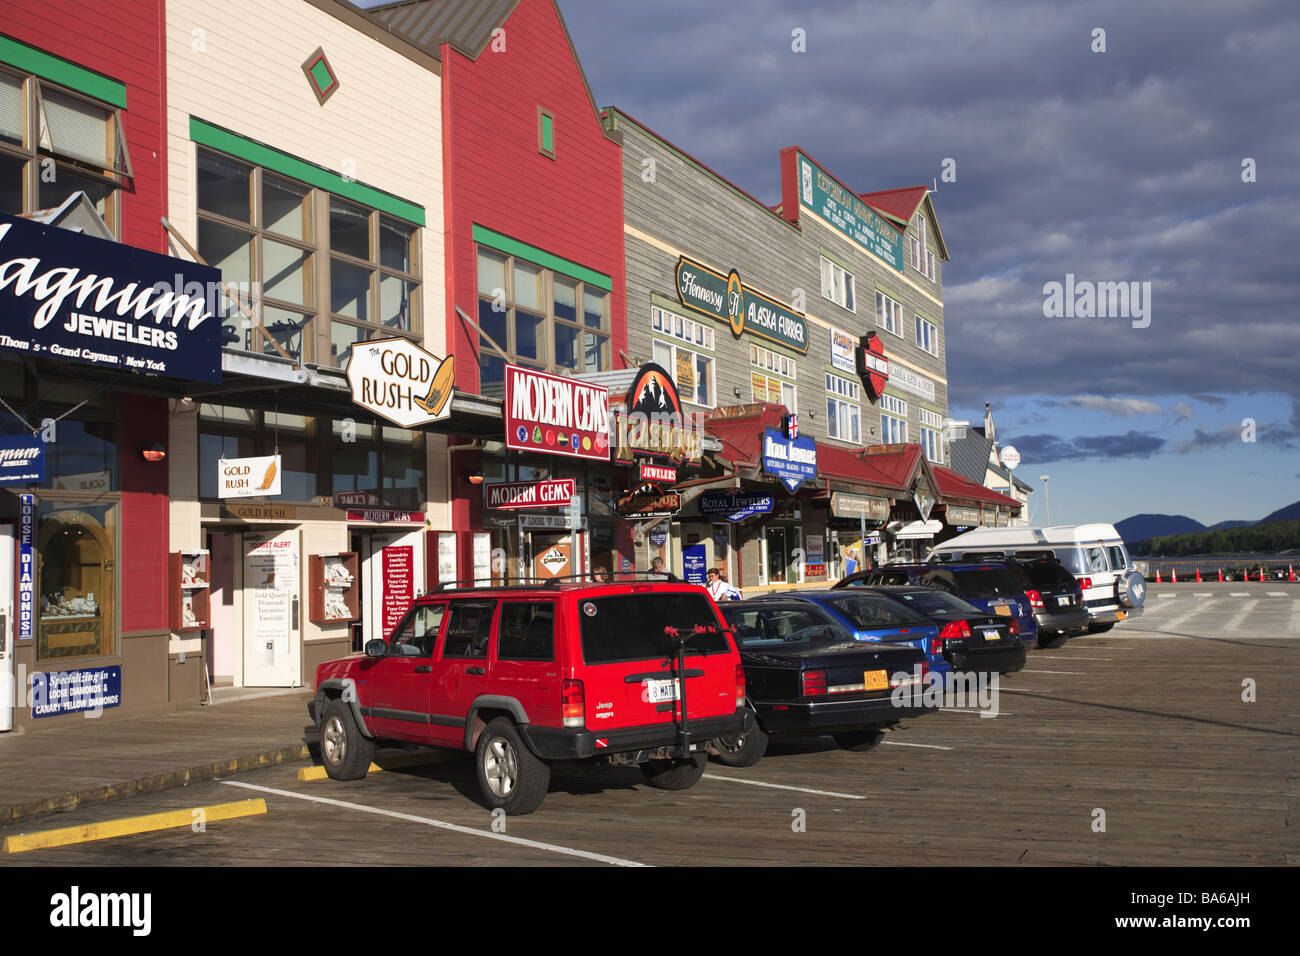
(546,133)
(540,257)
(663,302)
(57,70)
(842,263)
(205,134)
(889,292)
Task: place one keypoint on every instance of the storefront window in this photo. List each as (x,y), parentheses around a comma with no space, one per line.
(229,432)
(76,564)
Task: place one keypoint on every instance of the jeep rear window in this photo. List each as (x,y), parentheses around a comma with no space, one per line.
(989,582)
(630,627)
(1049,575)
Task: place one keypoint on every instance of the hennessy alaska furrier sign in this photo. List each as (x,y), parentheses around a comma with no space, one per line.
(73,297)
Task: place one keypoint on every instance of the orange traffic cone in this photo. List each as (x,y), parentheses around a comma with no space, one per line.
(1290,576)
(1261,574)
(1173,576)
(1220,575)
(1158,576)
(1198,575)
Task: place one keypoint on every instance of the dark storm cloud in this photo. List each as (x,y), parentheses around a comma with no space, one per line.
(1115,166)
(1047,448)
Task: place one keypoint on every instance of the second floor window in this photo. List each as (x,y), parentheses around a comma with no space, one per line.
(927,335)
(540,318)
(889,313)
(837,285)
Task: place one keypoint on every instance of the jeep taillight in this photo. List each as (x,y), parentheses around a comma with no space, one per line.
(740,685)
(814,683)
(1085,583)
(573,707)
(1035,600)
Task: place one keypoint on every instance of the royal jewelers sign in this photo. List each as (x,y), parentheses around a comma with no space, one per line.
(793,460)
(556,416)
(734,505)
(838,205)
(398,380)
(745,309)
(555,493)
(78,298)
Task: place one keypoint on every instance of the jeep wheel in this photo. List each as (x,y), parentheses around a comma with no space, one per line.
(860,741)
(344,751)
(675,774)
(510,776)
(741,750)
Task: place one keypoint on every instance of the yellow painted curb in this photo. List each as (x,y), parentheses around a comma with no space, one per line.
(387,763)
(126,826)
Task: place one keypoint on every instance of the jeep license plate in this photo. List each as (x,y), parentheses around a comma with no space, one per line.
(875,680)
(1003,610)
(1063,601)
(658,691)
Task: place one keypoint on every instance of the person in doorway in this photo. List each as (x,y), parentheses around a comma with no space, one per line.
(717,587)
(657,566)
(602,576)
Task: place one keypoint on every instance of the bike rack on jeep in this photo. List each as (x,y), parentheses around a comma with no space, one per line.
(681,635)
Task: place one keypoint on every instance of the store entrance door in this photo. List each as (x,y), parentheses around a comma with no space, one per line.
(272,609)
(392,575)
(8,691)
(552,555)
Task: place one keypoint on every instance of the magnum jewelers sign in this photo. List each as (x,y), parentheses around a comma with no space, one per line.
(22,460)
(556,416)
(840,206)
(78,298)
(398,380)
(745,309)
(555,493)
(793,460)
(248,477)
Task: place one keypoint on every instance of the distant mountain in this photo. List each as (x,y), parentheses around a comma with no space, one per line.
(1231,524)
(1290,513)
(1142,527)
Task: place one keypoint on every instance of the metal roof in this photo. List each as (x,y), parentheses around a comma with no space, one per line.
(465,24)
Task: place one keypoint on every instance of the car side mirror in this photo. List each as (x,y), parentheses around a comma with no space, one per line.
(376,648)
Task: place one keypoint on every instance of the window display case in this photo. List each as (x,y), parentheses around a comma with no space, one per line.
(76,581)
(191,585)
(334,596)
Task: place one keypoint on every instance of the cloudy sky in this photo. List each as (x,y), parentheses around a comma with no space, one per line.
(1117,166)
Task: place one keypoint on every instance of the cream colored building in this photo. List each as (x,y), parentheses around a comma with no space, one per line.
(304,161)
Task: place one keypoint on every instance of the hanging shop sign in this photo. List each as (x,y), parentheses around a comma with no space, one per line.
(655,424)
(844,349)
(955,516)
(248,477)
(75,297)
(26,567)
(743,308)
(70,692)
(657,474)
(556,416)
(925,496)
(22,460)
(837,204)
(734,505)
(873,367)
(538,522)
(399,381)
(793,460)
(648,503)
(555,493)
(845,505)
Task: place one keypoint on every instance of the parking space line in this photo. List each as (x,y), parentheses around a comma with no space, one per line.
(782,786)
(1198,609)
(129,826)
(972,710)
(441,825)
(1053,657)
(1026,670)
(1278,594)
(1238,594)
(1235,623)
(1203,594)
(899,743)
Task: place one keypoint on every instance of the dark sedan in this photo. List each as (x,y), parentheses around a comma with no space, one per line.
(972,640)
(805,674)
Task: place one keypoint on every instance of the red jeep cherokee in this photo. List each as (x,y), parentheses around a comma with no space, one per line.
(522,676)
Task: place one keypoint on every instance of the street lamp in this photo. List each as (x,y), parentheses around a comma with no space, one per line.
(1047,499)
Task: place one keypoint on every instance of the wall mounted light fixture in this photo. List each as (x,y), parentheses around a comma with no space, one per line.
(155,452)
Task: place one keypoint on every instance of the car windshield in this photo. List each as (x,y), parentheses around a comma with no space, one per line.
(630,627)
(875,610)
(989,582)
(782,626)
(938,602)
